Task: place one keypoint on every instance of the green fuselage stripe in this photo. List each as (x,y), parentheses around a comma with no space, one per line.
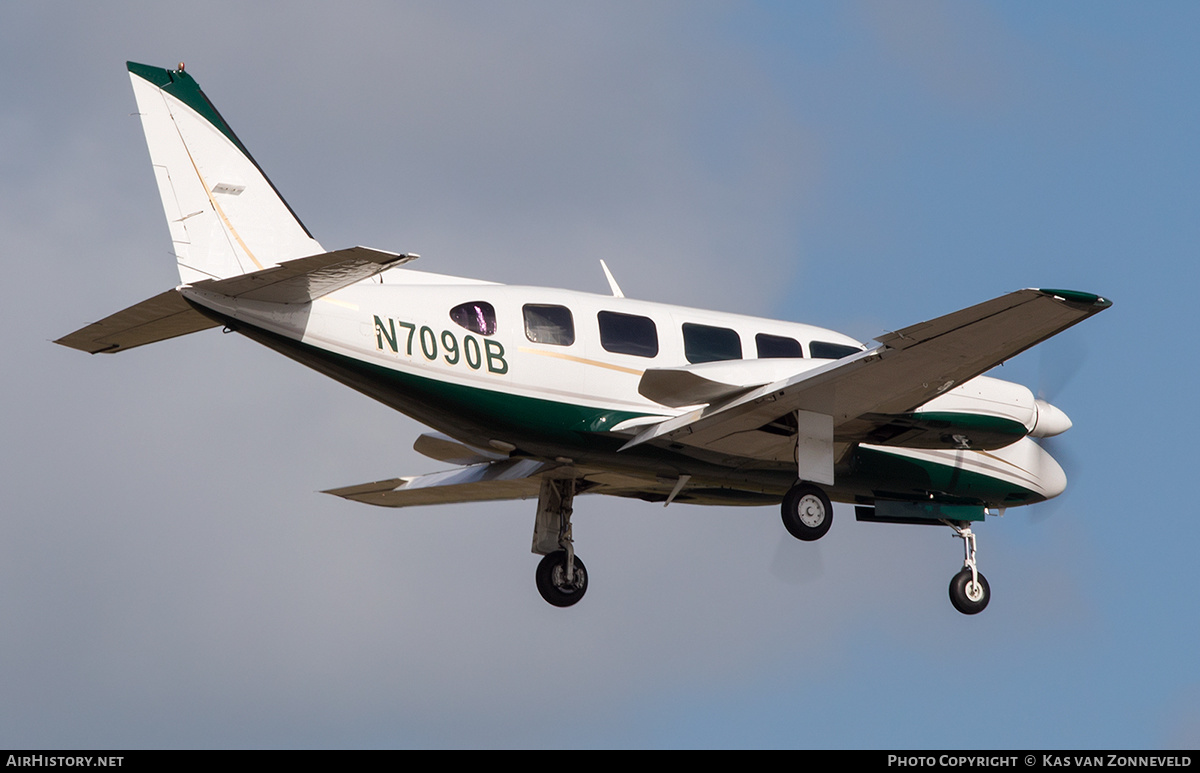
(895,476)
(547,429)
(973,422)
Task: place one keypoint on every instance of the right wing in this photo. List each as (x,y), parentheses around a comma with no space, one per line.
(868,392)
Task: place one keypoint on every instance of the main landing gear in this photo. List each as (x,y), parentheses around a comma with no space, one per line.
(969,591)
(561,576)
(807,512)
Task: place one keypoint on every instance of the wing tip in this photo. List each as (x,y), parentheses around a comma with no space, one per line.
(1078,297)
(87,346)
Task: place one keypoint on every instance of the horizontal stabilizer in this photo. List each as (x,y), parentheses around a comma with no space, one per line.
(489,482)
(306,279)
(164,316)
(168,314)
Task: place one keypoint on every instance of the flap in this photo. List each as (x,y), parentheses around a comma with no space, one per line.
(435,445)
(711,382)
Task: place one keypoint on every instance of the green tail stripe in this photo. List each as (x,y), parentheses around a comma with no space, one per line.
(183,87)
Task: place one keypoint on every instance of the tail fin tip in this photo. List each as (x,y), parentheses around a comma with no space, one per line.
(225,216)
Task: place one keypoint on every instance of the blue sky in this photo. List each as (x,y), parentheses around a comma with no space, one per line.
(170,578)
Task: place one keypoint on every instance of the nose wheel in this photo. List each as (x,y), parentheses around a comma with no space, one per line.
(969,591)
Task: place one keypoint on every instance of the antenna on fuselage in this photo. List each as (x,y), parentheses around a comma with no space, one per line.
(612,282)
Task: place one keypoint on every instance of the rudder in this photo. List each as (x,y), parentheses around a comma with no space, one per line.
(224,215)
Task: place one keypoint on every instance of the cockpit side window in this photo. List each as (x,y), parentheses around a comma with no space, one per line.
(705,343)
(770,346)
(628,334)
(827,351)
(476,316)
(547,324)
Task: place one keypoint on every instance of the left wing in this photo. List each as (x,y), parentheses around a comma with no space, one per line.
(522,479)
(873,389)
(490,481)
(487,476)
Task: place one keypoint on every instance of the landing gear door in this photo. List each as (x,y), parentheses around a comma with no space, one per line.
(814,447)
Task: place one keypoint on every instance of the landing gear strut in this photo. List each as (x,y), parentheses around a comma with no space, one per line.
(561,577)
(969,591)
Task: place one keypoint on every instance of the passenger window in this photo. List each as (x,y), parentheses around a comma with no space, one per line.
(476,316)
(628,334)
(777,346)
(549,324)
(827,351)
(704,343)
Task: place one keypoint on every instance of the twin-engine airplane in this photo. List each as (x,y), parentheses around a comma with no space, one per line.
(551,394)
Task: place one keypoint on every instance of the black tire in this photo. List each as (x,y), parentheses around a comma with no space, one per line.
(552,580)
(968,599)
(807,512)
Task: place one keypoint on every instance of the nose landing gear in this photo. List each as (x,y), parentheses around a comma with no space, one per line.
(969,591)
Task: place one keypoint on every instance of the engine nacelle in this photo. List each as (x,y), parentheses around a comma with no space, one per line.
(986,406)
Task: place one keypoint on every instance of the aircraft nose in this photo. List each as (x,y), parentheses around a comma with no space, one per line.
(1050,421)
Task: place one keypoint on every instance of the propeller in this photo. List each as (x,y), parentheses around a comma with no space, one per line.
(1059,364)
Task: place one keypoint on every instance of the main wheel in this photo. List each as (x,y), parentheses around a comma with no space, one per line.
(967,596)
(552,580)
(807,512)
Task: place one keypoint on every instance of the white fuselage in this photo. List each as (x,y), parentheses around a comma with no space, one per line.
(499,386)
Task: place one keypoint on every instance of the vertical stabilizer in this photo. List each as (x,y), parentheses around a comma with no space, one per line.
(225,216)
